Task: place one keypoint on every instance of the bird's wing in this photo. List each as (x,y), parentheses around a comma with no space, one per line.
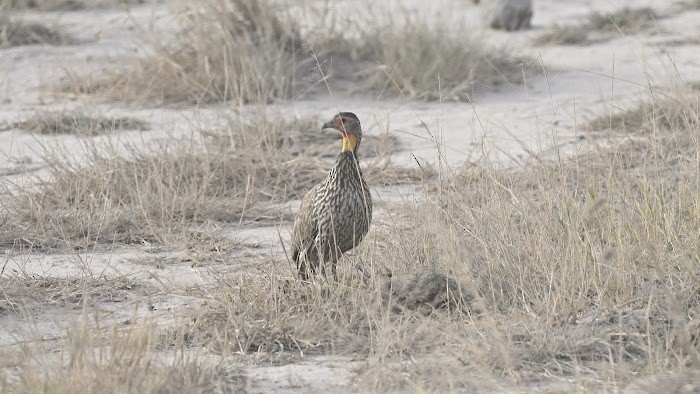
(305,226)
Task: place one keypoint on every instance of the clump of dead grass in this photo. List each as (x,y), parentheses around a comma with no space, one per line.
(76,123)
(120,359)
(414,59)
(624,20)
(245,51)
(24,292)
(600,27)
(651,114)
(15,32)
(236,50)
(275,317)
(279,316)
(564,35)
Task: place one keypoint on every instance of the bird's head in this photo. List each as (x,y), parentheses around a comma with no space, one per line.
(348,125)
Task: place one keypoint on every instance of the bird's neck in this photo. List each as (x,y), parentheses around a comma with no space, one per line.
(347,162)
(346,169)
(349,142)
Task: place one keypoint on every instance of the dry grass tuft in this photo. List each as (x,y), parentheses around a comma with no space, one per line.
(246,51)
(237,50)
(600,27)
(120,360)
(625,20)
(252,315)
(76,123)
(564,35)
(660,112)
(15,32)
(156,196)
(29,292)
(274,317)
(412,58)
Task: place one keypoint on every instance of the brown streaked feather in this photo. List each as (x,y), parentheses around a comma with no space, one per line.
(305,228)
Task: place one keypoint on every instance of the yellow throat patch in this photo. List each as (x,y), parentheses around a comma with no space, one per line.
(349,142)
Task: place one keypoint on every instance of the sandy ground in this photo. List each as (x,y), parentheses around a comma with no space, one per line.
(544,117)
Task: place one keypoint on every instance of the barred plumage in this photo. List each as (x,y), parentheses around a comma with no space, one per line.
(335,214)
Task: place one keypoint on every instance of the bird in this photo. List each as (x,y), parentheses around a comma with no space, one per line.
(334,215)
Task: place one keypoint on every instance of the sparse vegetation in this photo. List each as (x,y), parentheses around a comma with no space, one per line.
(237,50)
(420,61)
(576,274)
(155,195)
(245,51)
(127,364)
(564,35)
(76,123)
(14,32)
(625,20)
(599,27)
(659,112)
(581,267)
(23,293)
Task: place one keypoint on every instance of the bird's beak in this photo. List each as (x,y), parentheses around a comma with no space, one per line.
(327,126)
(330,125)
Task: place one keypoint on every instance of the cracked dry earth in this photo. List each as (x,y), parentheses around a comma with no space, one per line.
(156,283)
